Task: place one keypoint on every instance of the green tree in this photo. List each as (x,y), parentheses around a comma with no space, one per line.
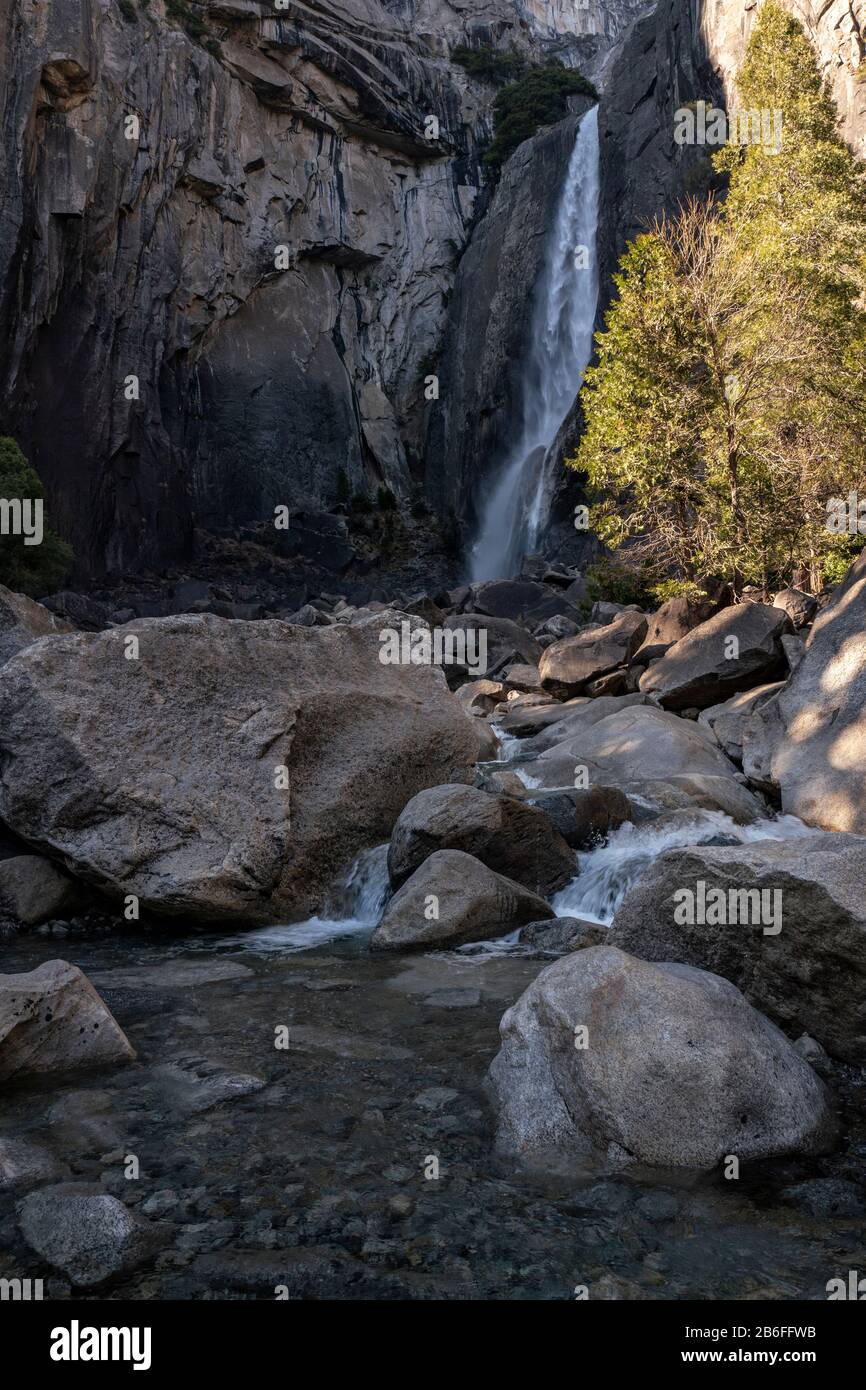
(30,569)
(729,397)
(539,97)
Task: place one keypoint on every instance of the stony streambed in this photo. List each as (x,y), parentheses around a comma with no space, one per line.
(306,1168)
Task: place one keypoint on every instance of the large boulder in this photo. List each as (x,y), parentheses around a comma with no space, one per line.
(799,606)
(637,742)
(32,889)
(509,836)
(734,650)
(567,667)
(23,621)
(52,1020)
(800,954)
(809,742)
(605,1056)
(230,769)
(673,621)
(505,642)
(452,899)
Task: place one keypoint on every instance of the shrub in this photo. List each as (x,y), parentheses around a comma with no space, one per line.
(30,569)
(611,581)
(129,12)
(386,499)
(538,98)
(489,64)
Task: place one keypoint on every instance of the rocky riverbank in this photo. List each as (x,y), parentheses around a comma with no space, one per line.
(296,879)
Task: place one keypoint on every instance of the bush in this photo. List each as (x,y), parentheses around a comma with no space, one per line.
(129,12)
(341,492)
(361,504)
(610,581)
(538,98)
(29,569)
(489,64)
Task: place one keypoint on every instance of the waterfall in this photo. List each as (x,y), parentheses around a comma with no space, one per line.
(559,350)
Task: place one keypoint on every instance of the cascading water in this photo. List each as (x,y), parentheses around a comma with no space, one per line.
(560,348)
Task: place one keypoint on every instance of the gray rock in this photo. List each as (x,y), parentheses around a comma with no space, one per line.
(52,1020)
(25,1164)
(698,671)
(584,816)
(195,818)
(678,1069)
(799,606)
(452,899)
(828,1198)
(23,621)
(794,648)
(85,1233)
(810,975)
(32,889)
(509,836)
(567,667)
(673,621)
(809,743)
(728,719)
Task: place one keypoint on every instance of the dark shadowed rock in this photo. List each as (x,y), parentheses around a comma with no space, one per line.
(810,976)
(509,836)
(728,719)
(676,1069)
(799,606)
(32,889)
(706,666)
(673,621)
(452,899)
(584,816)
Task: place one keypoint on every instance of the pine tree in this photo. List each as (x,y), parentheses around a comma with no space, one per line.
(30,569)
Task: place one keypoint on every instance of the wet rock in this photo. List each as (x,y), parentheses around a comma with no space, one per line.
(508,835)
(677,1069)
(461,998)
(567,667)
(52,1020)
(33,890)
(705,667)
(259,758)
(23,621)
(584,816)
(828,1198)
(563,934)
(683,792)
(85,1233)
(800,954)
(451,899)
(809,743)
(196,1084)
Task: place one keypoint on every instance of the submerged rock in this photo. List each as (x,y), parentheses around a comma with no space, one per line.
(229,769)
(85,1233)
(52,1020)
(674,1068)
(452,899)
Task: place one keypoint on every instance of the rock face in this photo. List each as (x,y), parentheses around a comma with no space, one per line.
(22,621)
(734,650)
(673,620)
(509,836)
(675,1069)
(567,667)
(809,742)
(85,1233)
(728,719)
(32,889)
(52,1020)
(451,899)
(810,973)
(232,769)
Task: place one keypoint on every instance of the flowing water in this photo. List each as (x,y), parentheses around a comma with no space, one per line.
(560,348)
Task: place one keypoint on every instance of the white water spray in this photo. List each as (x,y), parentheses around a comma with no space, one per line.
(560,348)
